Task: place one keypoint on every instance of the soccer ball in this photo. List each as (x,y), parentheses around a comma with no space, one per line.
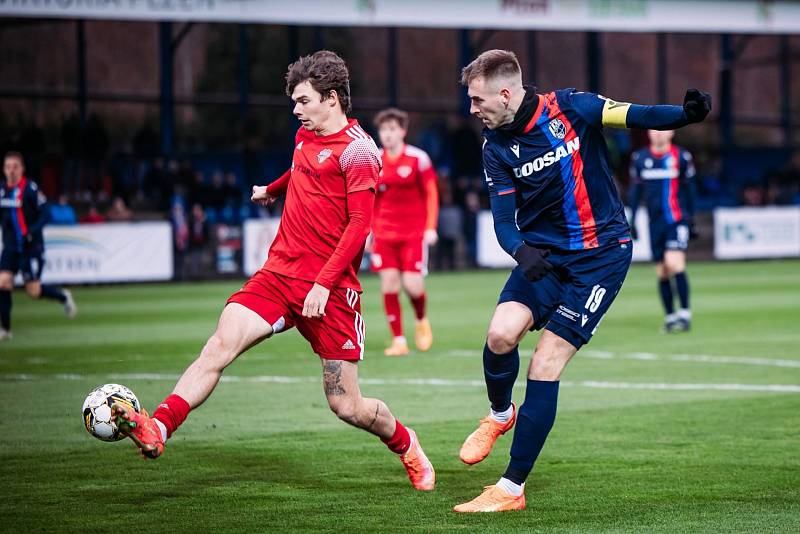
(97,410)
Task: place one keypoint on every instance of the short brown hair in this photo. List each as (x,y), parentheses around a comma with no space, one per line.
(392,114)
(14,154)
(491,64)
(326,72)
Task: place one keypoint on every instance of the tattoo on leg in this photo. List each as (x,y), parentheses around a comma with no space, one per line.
(375,417)
(332,377)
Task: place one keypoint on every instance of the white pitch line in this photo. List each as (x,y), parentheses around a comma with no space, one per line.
(773,388)
(442,382)
(694,358)
(649,356)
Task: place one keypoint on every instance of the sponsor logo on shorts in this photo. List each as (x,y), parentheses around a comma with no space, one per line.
(569,314)
(348,345)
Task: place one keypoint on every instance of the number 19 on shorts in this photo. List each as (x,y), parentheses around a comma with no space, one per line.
(594,300)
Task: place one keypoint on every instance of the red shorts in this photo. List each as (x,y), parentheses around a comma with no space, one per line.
(278,299)
(408,256)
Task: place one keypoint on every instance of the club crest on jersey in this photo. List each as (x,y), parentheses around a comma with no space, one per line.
(404,171)
(325,154)
(558,129)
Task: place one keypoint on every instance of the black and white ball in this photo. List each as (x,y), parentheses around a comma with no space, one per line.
(97,410)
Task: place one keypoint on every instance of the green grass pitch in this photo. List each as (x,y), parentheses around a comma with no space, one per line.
(637,446)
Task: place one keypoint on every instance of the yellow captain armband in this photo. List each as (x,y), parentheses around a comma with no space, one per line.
(615,114)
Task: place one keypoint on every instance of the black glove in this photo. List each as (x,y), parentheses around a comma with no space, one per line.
(634,232)
(696,105)
(533,262)
(693,232)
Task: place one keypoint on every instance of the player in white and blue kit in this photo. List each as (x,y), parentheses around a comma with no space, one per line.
(662,173)
(557,212)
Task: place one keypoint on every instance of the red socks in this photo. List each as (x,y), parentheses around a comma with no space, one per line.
(419,305)
(172,412)
(400,440)
(391,302)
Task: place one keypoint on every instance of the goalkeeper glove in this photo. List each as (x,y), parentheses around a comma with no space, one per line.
(696,105)
(533,262)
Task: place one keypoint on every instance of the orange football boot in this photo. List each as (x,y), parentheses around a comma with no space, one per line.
(419,468)
(141,428)
(423,335)
(479,444)
(399,347)
(493,499)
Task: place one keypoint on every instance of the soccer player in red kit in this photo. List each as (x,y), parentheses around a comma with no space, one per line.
(406,213)
(309,279)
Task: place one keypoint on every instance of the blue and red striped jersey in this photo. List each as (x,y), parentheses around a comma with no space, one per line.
(664,182)
(23,212)
(557,169)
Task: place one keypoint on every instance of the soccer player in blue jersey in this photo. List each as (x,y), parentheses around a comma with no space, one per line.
(663,173)
(23,214)
(545,158)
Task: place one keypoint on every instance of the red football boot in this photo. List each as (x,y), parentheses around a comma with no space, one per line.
(141,428)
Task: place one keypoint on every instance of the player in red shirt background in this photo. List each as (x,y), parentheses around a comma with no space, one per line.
(404,225)
(309,279)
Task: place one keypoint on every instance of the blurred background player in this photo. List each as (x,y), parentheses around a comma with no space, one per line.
(663,173)
(23,210)
(403,227)
(309,279)
(557,212)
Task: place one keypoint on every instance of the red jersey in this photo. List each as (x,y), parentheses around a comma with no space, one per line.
(325,169)
(407,202)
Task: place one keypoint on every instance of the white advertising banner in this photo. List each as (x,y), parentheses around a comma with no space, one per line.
(641,246)
(715,16)
(258,236)
(741,233)
(490,253)
(110,252)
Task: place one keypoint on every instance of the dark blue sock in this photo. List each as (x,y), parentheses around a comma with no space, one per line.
(665,288)
(5,309)
(534,421)
(682,285)
(500,372)
(53,292)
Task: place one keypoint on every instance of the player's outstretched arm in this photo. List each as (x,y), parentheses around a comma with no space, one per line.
(601,111)
(696,106)
(267,194)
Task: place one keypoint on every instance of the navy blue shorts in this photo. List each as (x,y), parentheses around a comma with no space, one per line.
(672,236)
(29,263)
(572,299)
